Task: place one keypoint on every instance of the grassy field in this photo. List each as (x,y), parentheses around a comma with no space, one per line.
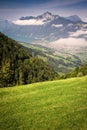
(53,105)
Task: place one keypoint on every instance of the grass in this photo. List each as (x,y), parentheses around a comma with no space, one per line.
(53,105)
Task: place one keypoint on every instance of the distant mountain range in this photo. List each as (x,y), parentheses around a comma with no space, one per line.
(47,29)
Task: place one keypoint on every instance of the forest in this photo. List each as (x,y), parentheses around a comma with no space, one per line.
(18,67)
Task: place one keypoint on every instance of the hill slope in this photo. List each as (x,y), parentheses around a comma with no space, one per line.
(17,66)
(60,60)
(54,105)
(77,72)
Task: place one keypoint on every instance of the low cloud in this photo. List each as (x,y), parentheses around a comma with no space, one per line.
(78,33)
(78,42)
(29,22)
(57,25)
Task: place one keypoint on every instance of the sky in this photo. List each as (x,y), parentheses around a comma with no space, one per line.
(14,9)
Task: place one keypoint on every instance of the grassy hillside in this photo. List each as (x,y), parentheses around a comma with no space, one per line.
(61,60)
(53,105)
(17,66)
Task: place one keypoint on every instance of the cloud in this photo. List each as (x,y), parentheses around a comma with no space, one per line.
(29,22)
(74,40)
(78,33)
(78,42)
(57,25)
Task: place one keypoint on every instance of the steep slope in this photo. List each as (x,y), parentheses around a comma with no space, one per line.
(18,67)
(54,105)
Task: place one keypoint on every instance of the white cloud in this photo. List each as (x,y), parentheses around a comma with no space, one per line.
(29,22)
(57,25)
(68,42)
(78,33)
(84,25)
(70,24)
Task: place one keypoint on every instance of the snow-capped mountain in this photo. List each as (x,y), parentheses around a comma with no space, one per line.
(46,15)
(47,29)
(45,18)
(39,20)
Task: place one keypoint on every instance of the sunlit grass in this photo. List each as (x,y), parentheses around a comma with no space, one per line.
(53,105)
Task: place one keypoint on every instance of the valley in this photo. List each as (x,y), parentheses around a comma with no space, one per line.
(63,59)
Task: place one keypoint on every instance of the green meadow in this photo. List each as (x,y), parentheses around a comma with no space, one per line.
(52,105)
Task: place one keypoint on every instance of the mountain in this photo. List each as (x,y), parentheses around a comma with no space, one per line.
(46,29)
(18,67)
(74,18)
(46,17)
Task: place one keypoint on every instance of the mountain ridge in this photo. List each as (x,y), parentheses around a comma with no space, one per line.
(46,15)
(50,16)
